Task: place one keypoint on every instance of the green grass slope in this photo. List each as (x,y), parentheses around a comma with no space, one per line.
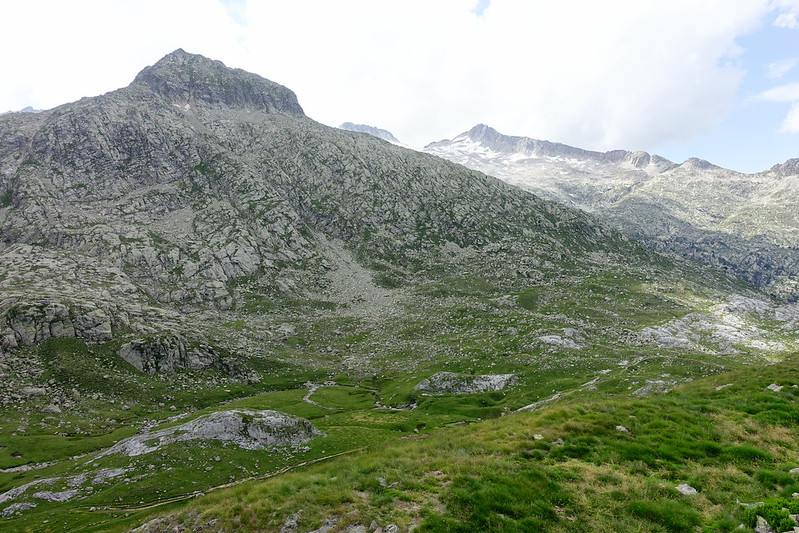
(610,465)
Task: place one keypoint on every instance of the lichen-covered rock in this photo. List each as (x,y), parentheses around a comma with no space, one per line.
(17,507)
(451,382)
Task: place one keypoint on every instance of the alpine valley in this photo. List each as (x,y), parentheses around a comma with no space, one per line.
(219,315)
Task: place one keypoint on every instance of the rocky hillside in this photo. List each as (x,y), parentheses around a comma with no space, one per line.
(744,223)
(198,184)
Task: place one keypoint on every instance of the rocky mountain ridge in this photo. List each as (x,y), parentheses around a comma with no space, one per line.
(744,223)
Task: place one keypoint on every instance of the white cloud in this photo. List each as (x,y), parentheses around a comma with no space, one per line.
(787,13)
(778,69)
(786,20)
(791,122)
(783,93)
(596,74)
(61,51)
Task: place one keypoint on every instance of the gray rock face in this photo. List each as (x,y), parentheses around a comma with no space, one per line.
(185,78)
(450,382)
(251,430)
(167,354)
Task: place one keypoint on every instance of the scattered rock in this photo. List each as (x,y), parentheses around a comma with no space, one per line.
(722,387)
(52,409)
(749,505)
(535,405)
(106,474)
(284,331)
(557,340)
(538,436)
(762,526)
(775,387)
(329,525)
(686,489)
(291,523)
(33,391)
(655,386)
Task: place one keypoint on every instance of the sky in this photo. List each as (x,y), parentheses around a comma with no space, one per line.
(715,79)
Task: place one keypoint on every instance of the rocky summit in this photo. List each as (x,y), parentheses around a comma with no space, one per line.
(200,286)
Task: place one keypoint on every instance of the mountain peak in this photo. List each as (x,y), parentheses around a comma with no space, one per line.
(371,130)
(789,168)
(699,164)
(184,78)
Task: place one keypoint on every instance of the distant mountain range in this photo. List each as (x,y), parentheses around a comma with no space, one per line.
(747,224)
(27,109)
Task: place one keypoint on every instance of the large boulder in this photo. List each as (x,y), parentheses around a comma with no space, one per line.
(251,430)
(451,382)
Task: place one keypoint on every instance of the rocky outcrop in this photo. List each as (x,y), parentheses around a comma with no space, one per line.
(454,383)
(251,430)
(31,323)
(167,354)
(729,328)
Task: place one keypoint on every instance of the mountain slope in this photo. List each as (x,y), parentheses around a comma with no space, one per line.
(698,458)
(743,223)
